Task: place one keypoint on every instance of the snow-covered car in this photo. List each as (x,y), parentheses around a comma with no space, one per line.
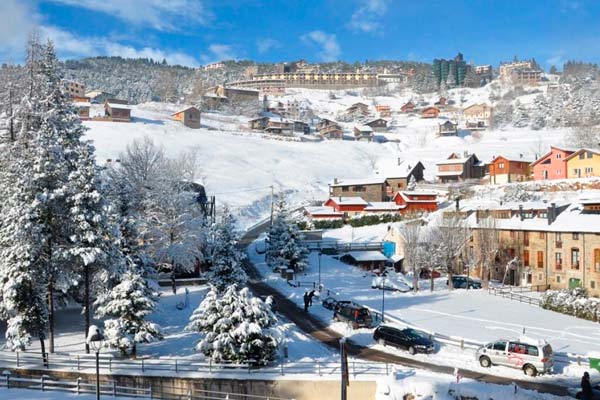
(531,356)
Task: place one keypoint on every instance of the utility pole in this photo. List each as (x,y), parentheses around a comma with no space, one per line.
(272,206)
(344,370)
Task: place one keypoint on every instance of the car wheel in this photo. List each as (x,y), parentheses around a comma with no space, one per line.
(485,362)
(381,342)
(412,350)
(530,370)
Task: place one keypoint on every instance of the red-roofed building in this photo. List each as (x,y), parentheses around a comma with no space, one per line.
(416,201)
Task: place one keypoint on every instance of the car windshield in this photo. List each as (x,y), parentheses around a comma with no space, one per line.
(412,333)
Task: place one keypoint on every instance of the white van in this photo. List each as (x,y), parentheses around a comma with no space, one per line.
(531,356)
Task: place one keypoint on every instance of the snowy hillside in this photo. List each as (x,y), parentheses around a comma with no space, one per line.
(238,165)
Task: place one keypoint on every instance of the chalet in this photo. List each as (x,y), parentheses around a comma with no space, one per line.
(430,112)
(441,102)
(477,113)
(399,177)
(324,122)
(117,112)
(456,168)
(189,117)
(302,127)
(259,123)
(448,128)
(98,96)
(378,125)
(416,201)
(384,110)
(349,206)
(367,260)
(363,132)
(408,107)
(83,110)
(332,132)
(507,170)
(280,126)
(368,189)
(584,163)
(552,165)
(358,109)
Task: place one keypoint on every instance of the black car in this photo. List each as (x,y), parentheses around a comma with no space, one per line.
(410,339)
(460,282)
(356,315)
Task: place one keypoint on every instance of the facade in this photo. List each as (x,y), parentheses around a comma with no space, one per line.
(430,112)
(378,125)
(236,94)
(555,245)
(270,87)
(448,128)
(99,96)
(332,80)
(522,76)
(416,201)
(83,110)
(408,107)
(478,113)
(456,168)
(399,179)
(505,70)
(551,165)
(332,132)
(367,189)
(584,163)
(117,112)
(74,89)
(280,126)
(505,170)
(259,123)
(358,108)
(367,260)
(189,117)
(363,132)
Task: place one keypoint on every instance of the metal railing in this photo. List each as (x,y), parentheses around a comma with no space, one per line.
(174,366)
(315,245)
(515,293)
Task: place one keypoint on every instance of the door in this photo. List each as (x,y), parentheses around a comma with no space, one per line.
(517,354)
(544,174)
(574,283)
(498,353)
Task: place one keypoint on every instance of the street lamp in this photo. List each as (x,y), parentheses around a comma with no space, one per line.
(383,298)
(320,254)
(95,340)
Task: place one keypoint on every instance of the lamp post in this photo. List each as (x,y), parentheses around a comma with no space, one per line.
(320,254)
(383,299)
(95,340)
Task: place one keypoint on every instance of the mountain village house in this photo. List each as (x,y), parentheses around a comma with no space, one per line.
(189,117)
(504,170)
(373,189)
(456,168)
(258,123)
(363,132)
(74,89)
(384,110)
(99,96)
(448,128)
(400,177)
(408,107)
(551,165)
(117,112)
(556,245)
(477,114)
(358,109)
(378,125)
(430,112)
(332,132)
(584,163)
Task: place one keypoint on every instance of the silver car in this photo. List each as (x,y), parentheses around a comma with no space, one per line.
(531,357)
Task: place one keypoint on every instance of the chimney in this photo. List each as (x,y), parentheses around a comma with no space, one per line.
(521,216)
(335,181)
(551,213)
(466,154)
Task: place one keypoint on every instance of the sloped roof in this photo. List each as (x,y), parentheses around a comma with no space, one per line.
(348,201)
(595,151)
(363,181)
(184,110)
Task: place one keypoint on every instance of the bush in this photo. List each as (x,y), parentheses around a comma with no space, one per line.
(572,302)
(358,222)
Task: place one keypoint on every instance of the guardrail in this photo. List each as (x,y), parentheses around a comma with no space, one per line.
(173,366)
(513,293)
(314,245)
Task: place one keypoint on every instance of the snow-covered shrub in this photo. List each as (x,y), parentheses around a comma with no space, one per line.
(237,327)
(572,302)
(128,305)
(516,193)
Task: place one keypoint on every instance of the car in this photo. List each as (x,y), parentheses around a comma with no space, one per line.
(460,282)
(409,339)
(426,274)
(329,303)
(354,314)
(531,356)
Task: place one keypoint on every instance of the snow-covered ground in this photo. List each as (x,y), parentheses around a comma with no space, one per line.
(25,394)
(238,166)
(473,315)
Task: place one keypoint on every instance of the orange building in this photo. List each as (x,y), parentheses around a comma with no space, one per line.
(505,170)
(189,117)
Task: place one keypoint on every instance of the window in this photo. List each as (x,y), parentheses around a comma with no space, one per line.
(590,154)
(360,189)
(575,258)
(575,236)
(542,235)
(526,238)
(597,260)
(512,234)
(589,170)
(526,258)
(344,188)
(558,240)
(558,261)
(500,346)
(558,155)
(558,279)
(540,259)
(501,165)
(592,285)
(581,156)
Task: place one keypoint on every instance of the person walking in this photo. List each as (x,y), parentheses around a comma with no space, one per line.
(310,297)
(586,387)
(306,301)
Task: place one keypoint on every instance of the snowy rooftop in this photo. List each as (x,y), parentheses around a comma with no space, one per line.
(347,201)
(363,181)
(383,205)
(81,104)
(323,210)
(364,128)
(367,255)
(119,106)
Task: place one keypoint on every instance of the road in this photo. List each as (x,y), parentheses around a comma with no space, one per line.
(321,332)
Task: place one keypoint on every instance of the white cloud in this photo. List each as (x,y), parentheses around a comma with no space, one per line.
(264,45)
(330,49)
(557,59)
(171,15)
(219,52)
(367,15)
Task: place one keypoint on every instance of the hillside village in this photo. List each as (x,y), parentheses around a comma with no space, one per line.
(449,199)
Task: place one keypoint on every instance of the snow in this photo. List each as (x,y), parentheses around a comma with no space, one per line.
(367,255)
(24,394)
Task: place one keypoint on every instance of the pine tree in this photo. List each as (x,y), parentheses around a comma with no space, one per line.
(225,257)
(412,183)
(520,116)
(540,112)
(127,306)
(285,249)
(237,327)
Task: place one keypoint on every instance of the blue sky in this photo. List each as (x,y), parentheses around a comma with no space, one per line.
(195,32)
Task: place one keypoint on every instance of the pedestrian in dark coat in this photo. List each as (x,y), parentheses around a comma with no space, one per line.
(586,387)
(306,301)
(310,297)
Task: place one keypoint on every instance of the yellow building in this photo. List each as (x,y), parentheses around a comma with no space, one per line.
(583,163)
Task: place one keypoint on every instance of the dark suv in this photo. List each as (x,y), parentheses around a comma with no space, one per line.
(354,314)
(460,282)
(410,339)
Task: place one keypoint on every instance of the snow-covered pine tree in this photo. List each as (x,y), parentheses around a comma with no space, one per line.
(539,115)
(237,327)
(127,305)
(520,115)
(285,248)
(225,258)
